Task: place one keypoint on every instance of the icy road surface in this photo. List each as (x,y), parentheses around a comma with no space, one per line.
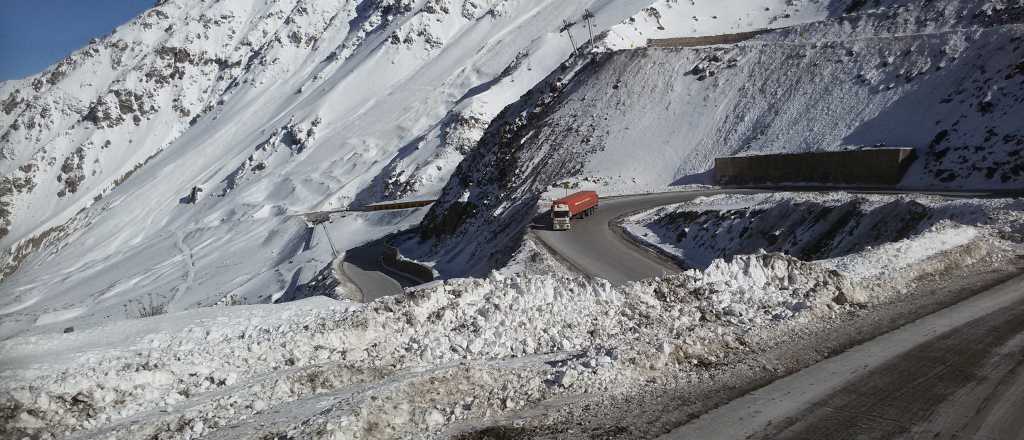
(958,373)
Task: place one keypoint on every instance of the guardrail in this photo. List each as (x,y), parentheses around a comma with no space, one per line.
(389,206)
(325,216)
(706,40)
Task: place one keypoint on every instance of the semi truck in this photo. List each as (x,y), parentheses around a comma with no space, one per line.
(578,205)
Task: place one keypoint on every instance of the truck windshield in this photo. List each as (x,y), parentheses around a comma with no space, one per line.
(560,214)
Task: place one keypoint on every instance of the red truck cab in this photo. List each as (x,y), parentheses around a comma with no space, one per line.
(576,205)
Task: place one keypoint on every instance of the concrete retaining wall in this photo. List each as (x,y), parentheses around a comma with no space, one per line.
(705,41)
(876,166)
(394,261)
(391,206)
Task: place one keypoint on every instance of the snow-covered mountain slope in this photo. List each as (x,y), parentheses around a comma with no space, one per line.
(942,76)
(271,108)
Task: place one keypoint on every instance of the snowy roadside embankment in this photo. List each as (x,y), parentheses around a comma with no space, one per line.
(462,351)
(862,236)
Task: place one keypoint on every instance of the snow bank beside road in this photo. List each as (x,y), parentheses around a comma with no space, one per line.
(863,236)
(940,238)
(460,351)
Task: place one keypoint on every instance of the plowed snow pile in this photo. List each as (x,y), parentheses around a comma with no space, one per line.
(464,351)
(864,236)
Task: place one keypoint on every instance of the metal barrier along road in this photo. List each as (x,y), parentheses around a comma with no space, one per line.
(389,206)
(705,41)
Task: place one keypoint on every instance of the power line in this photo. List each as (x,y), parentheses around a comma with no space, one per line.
(329,241)
(567,28)
(587,15)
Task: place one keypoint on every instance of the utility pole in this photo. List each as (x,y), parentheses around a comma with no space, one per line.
(567,28)
(329,241)
(587,15)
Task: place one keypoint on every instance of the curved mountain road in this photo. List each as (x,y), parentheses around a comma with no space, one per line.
(958,373)
(597,249)
(364,268)
(593,247)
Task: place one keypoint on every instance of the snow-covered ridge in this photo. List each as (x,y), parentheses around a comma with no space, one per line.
(94,116)
(271,109)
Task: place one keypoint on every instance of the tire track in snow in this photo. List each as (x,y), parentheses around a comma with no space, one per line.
(190,270)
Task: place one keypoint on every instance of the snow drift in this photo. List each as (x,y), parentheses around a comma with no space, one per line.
(414,365)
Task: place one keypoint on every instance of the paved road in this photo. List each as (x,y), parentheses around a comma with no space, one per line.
(363,266)
(955,374)
(592,247)
(596,249)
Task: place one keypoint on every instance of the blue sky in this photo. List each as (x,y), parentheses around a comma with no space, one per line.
(37,33)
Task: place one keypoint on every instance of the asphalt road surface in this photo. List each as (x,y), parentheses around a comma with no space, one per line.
(363,266)
(596,249)
(955,374)
(592,247)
